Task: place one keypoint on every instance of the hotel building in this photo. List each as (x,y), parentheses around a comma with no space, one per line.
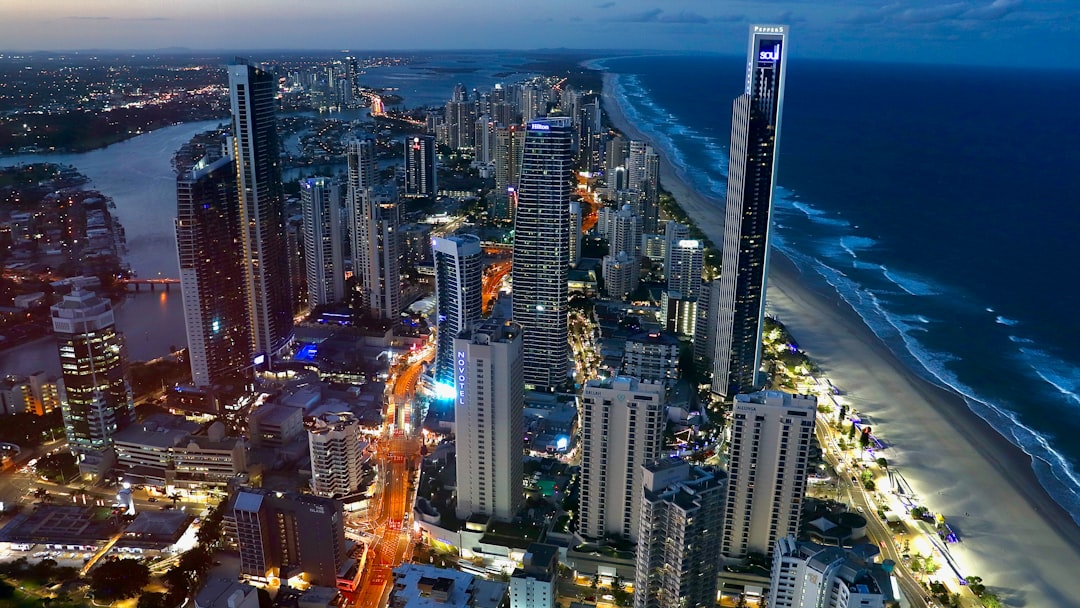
(755,135)
(767,467)
(488,414)
(622,425)
(542,251)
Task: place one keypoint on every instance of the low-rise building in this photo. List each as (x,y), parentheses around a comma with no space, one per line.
(421,586)
(809,575)
(225,593)
(652,356)
(534,584)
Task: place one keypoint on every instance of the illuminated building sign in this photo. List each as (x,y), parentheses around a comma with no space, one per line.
(460,377)
(539,126)
(770,55)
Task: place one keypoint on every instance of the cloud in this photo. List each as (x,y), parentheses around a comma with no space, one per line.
(787,18)
(995,10)
(83,18)
(933,14)
(953,12)
(605,5)
(657,15)
(729,18)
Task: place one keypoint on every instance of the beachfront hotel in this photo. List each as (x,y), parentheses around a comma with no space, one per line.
(252,93)
(767,466)
(542,250)
(755,132)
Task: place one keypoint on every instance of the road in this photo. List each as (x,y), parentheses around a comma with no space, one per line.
(493,279)
(397,458)
(876,529)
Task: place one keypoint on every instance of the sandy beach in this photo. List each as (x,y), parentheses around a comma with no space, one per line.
(1022,543)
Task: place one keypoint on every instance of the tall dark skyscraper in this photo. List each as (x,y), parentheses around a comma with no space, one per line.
(420,166)
(542,250)
(755,133)
(458,283)
(208,241)
(262,206)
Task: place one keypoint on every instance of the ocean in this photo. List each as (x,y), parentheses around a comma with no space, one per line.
(941,202)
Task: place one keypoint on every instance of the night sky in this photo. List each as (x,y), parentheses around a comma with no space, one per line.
(994,32)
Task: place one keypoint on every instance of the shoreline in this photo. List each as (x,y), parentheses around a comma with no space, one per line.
(1022,542)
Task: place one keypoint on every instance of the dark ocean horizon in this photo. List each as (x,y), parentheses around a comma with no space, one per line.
(941,202)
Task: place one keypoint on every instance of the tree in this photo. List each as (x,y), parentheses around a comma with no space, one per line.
(976,585)
(990,600)
(119,579)
(851,432)
(843,413)
(58,467)
(154,600)
(881,462)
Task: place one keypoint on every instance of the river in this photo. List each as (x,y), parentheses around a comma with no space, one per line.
(138,175)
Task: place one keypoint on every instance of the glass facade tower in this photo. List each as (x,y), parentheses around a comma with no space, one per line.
(755,134)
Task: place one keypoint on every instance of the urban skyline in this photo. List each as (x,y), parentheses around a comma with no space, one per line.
(344,410)
(990,32)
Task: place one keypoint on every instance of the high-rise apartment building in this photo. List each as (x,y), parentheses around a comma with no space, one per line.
(575,232)
(509,144)
(685,264)
(767,468)
(420,169)
(283,535)
(458,301)
(542,250)
(252,92)
(360,185)
(755,133)
(808,575)
(488,410)
(622,426)
(320,202)
(380,277)
(643,175)
(212,269)
(336,454)
(621,274)
(679,535)
(96,395)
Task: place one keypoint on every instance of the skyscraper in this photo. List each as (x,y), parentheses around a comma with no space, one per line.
(458,284)
(212,273)
(542,250)
(679,535)
(420,170)
(509,142)
(622,426)
(320,201)
(96,396)
(488,411)
(380,277)
(361,181)
(685,260)
(770,444)
(755,133)
(262,206)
